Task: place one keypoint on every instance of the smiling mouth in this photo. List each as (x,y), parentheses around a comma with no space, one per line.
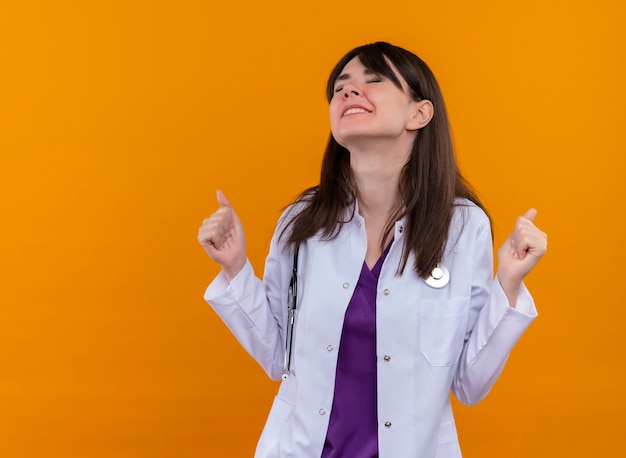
(350,111)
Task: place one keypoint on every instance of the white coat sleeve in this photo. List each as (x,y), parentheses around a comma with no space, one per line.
(494,326)
(255,310)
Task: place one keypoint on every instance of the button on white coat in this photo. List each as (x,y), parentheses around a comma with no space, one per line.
(329,348)
(346,285)
(322,412)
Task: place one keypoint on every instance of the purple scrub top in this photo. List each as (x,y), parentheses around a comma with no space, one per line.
(353,426)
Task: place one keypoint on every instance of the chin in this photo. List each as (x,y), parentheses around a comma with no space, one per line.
(348,137)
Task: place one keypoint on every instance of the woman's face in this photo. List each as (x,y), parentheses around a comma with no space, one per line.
(367,106)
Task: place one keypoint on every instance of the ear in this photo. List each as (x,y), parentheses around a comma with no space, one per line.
(421,113)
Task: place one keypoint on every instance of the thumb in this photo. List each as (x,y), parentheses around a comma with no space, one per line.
(222,200)
(225,203)
(530,214)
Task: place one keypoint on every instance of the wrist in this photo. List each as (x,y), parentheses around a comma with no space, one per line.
(232,271)
(510,286)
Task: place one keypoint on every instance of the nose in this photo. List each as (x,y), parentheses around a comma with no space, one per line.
(349,90)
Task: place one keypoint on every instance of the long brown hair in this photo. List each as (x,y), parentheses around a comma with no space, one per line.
(430,180)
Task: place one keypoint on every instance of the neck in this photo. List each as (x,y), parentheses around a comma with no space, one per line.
(377,189)
(377,178)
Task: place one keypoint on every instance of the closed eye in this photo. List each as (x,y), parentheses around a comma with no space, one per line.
(375,80)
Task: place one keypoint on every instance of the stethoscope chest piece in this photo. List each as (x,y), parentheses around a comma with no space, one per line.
(439,277)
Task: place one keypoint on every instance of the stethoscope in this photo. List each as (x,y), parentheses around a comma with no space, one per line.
(291,315)
(439,277)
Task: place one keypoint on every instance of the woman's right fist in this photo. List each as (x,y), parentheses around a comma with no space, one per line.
(221,236)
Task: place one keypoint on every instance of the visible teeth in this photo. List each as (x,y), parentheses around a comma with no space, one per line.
(354,110)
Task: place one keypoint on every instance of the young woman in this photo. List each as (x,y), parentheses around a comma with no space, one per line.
(396,299)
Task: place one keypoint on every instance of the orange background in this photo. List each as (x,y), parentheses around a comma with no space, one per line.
(120,119)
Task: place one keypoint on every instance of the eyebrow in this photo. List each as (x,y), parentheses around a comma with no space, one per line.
(345,76)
